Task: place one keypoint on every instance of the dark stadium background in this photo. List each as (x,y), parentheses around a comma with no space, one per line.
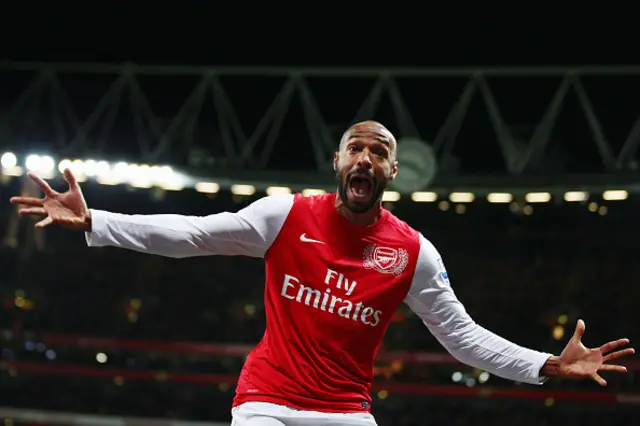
(171,334)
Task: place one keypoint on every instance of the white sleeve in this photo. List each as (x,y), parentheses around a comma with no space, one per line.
(433,300)
(249,232)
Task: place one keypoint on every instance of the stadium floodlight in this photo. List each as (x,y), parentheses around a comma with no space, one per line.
(461,197)
(278,190)
(576,196)
(240,189)
(390,196)
(166,178)
(207,187)
(615,195)
(8,160)
(537,197)
(424,197)
(499,197)
(42,164)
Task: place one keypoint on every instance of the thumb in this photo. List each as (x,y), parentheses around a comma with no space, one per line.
(580,327)
(71,179)
(44,222)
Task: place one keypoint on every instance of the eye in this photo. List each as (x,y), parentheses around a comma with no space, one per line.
(381,153)
(352,148)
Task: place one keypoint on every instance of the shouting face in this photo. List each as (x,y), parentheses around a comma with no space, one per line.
(364,165)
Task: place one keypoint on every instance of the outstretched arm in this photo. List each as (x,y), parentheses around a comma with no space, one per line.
(249,232)
(434,301)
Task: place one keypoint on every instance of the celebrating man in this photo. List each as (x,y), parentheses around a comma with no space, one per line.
(337,268)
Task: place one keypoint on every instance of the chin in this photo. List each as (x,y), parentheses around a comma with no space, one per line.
(360,206)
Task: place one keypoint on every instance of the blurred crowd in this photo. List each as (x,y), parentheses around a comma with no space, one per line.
(205,403)
(528,278)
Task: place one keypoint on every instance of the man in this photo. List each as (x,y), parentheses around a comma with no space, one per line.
(337,268)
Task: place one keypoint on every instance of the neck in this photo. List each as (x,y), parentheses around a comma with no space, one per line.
(367,218)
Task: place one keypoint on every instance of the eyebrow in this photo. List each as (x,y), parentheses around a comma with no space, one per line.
(380,139)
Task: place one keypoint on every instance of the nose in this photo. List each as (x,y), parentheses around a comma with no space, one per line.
(364,160)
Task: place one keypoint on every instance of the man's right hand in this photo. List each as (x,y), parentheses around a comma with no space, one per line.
(67,209)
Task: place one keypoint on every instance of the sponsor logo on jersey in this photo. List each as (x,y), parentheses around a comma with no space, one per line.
(385,260)
(333,296)
(443,273)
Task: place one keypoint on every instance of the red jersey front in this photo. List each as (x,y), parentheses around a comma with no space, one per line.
(331,290)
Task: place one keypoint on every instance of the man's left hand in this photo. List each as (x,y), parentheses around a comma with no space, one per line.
(579,362)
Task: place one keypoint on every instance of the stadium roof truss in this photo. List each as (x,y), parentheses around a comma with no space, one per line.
(490,129)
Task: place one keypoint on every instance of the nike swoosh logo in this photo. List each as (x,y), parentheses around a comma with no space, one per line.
(304,239)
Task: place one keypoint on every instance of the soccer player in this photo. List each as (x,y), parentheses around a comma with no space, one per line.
(337,268)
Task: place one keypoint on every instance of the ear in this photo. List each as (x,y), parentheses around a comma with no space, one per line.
(394,170)
(335,161)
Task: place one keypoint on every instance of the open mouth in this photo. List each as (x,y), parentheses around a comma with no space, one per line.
(361,186)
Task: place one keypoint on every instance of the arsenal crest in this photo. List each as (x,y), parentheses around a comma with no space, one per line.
(385,260)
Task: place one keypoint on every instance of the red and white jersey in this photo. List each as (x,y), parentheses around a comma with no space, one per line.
(331,290)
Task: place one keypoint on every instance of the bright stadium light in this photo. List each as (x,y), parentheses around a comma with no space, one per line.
(424,197)
(390,196)
(47,165)
(90,167)
(278,190)
(120,171)
(537,197)
(615,195)
(243,190)
(164,177)
(32,163)
(499,197)
(102,168)
(63,165)
(42,164)
(575,196)
(207,187)
(8,160)
(461,197)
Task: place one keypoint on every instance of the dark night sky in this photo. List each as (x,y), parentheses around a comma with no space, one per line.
(198,33)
